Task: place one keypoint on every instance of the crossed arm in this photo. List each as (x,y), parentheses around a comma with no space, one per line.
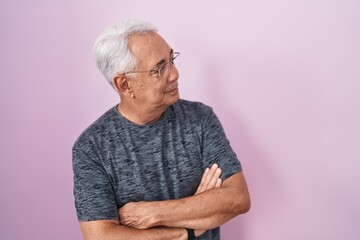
(213,204)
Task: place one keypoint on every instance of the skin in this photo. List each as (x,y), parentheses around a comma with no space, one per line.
(114,230)
(207,210)
(144,99)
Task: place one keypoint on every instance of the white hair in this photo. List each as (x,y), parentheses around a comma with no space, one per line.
(111,51)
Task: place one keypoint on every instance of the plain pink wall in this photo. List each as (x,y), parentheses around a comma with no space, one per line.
(283,76)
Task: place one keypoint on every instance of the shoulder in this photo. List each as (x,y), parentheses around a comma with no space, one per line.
(98,129)
(195,115)
(191,107)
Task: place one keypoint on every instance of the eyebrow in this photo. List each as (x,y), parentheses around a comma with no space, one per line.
(163,61)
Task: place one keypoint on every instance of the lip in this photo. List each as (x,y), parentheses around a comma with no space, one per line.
(172,89)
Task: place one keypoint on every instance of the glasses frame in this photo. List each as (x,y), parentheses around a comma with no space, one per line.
(158,71)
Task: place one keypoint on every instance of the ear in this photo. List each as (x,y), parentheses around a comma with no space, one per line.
(123,84)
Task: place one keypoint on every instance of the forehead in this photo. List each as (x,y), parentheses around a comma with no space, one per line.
(148,48)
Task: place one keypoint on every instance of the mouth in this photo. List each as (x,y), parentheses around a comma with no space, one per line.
(172,89)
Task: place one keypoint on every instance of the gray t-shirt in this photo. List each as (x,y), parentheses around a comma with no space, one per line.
(116,161)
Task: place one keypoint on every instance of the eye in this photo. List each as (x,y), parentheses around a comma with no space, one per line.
(154,72)
(162,69)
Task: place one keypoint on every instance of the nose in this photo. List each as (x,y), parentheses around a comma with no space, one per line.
(173,73)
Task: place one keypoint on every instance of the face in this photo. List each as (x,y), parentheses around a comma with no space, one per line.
(152,53)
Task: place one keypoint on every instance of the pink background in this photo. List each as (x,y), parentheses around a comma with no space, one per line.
(283,77)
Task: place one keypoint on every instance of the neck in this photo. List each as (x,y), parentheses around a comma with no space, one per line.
(140,116)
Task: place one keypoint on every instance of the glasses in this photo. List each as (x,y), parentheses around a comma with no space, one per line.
(162,71)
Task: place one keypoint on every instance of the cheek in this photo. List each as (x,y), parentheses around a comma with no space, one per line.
(152,90)
(158,88)
(153,93)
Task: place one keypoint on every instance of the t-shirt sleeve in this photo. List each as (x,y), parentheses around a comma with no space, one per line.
(93,191)
(216,147)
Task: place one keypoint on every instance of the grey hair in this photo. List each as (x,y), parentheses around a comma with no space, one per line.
(111,51)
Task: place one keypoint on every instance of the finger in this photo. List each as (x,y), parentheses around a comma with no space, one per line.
(209,176)
(214,179)
(202,184)
(123,222)
(218,183)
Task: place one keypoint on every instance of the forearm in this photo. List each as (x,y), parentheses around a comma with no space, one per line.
(204,210)
(112,230)
(211,206)
(193,212)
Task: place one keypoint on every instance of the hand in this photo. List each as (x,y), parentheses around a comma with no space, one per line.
(210,179)
(139,214)
(136,215)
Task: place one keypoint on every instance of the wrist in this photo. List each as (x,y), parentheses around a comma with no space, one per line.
(154,214)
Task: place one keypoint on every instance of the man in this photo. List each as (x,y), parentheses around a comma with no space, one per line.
(154,166)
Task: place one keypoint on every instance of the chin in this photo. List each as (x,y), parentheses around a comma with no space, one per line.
(171,100)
